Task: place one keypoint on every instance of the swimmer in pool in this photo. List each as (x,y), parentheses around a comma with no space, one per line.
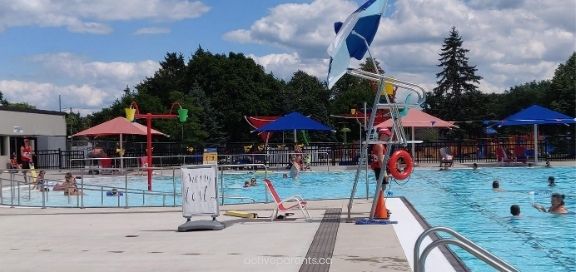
(556,205)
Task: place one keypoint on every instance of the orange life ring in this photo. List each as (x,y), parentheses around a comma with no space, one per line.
(393,165)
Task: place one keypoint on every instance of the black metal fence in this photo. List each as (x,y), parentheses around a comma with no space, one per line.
(279,155)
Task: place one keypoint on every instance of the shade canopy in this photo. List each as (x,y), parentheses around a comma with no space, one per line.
(116,126)
(353,38)
(418,119)
(536,115)
(293,121)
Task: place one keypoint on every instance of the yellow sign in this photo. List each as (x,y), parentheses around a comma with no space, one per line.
(210,156)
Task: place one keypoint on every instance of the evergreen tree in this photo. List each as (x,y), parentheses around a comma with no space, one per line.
(456,81)
(3,101)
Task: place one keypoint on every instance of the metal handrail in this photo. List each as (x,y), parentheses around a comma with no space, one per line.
(15,186)
(461,241)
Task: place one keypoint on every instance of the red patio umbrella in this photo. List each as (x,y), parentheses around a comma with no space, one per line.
(418,119)
(117,126)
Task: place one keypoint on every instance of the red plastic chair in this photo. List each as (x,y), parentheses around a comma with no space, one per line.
(282,204)
(105,163)
(501,155)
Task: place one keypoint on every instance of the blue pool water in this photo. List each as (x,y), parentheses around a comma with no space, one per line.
(461,199)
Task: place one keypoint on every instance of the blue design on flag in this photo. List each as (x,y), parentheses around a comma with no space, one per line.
(347,44)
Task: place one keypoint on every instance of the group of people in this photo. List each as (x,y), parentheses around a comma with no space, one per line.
(69,186)
(26,159)
(557,204)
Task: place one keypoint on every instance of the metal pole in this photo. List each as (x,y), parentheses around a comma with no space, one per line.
(18,190)
(82,190)
(125,191)
(1,189)
(11,190)
(43,198)
(222,185)
(535,143)
(101,196)
(149,148)
(174,186)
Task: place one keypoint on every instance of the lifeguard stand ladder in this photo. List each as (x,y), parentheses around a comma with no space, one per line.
(398,136)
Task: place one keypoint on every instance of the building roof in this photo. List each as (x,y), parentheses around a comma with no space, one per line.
(4,108)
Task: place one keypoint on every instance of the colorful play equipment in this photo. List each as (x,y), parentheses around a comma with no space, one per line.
(353,39)
(133,112)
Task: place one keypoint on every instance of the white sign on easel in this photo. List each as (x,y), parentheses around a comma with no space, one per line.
(200,197)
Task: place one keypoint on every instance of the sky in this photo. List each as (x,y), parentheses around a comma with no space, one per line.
(88,51)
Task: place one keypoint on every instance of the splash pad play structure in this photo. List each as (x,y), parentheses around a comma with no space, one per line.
(353,39)
(133,112)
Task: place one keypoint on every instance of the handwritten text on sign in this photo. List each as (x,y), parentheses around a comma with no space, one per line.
(199,191)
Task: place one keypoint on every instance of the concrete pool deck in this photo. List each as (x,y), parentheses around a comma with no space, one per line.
(145,239)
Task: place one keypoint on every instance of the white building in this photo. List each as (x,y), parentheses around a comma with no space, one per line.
(45,129)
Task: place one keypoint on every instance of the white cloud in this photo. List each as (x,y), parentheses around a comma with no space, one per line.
(152,30)
(285,65)
(45,95)
(510,43)
(90,16)
(84,85)
(78,69)
(305,28)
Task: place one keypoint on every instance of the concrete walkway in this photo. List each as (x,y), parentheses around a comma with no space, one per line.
(145,239)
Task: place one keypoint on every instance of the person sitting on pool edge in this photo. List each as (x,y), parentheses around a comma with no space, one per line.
(557,204)
(515,210)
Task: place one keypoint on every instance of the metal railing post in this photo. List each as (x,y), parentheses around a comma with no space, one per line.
(43,198)
(12,190)
(1,190)
(174,186)
(125,191)
(101,196)
(82,190)
(18,190)
(222,185)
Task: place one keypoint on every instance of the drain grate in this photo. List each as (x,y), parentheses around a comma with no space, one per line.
(322,247)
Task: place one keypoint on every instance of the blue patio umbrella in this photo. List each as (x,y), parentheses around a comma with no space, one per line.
(353,38)
(536,115)
(293,121)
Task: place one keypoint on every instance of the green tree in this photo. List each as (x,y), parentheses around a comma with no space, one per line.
(456,80)
(562,93)
(3,101)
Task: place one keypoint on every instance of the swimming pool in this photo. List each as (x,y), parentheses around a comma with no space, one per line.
(461,199)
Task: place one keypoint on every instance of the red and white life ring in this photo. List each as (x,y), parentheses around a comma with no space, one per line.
(400,174)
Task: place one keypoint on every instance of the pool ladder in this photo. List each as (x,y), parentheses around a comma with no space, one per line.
(459,240)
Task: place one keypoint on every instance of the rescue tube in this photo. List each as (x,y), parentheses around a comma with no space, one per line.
(400,174)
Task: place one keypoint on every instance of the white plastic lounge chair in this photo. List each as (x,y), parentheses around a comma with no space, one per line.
(447,159)
(282,204)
